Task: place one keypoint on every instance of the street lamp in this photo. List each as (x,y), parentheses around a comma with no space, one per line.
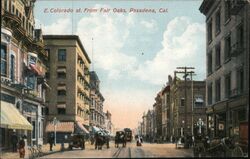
(55,122)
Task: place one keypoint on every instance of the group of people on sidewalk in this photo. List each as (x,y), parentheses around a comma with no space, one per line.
(18,145)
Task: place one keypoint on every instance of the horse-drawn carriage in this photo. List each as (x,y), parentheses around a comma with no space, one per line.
(217,147)
(120,138)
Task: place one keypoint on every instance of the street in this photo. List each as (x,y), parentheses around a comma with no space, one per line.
(130,151)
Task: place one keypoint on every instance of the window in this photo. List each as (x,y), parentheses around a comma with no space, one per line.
(34,130)
(31,81)
(198,101)
(217,22)
(12,67)
(61,110)
(61,75)
(227,48)
(17,13)
(209,93)
(182,102)
(210,31)
(240,80)
(240,36)
(217,91)
(13,9)
(5,5)
(46,111)
(227,10)
(48,53)
(61,92)
(209,63)
(217,51)
(62,55)
(227,85)
(3,60)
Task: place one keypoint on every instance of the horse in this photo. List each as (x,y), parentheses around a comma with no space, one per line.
(120,137)
(99,140)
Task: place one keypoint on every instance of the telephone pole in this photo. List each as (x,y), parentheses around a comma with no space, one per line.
(185,72)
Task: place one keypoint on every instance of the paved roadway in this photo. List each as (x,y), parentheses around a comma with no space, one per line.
(130,151)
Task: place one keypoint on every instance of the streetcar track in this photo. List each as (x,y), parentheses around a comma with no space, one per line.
(129,153)
(117,153)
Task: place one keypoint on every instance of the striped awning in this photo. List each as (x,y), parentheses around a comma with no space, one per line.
(11,118)
(81,128)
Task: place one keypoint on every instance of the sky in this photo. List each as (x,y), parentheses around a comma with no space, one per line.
(132,52)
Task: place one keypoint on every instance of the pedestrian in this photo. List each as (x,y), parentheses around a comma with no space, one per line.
(51,141)
(108,141)
(14,141)
(21,146)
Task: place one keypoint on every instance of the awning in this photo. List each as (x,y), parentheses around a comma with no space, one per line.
(61,70)
(35,69)
(60,127)
(199,100)
(61,105)
(81,128)
(11,118)
(61,87)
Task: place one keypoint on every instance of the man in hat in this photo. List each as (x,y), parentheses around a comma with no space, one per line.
(14,141)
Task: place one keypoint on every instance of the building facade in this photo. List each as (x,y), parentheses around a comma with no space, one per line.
(69,79)
(166,113)
(96,107)
(158,115)
(23,67)
(108,123)
(195,107)
(227,50)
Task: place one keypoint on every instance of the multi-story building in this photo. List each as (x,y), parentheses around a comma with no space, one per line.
(166,113)
(23,60)
(149,126)
(227,51)
(195,105)
(108,123)
(158,115)
(143,126)
(69,79)
(96,106)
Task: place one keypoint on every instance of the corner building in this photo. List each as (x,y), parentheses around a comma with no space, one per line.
(69,79)
(227,81)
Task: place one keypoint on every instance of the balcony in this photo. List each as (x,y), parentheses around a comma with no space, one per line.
(236,49)
(14,19)
(236,6)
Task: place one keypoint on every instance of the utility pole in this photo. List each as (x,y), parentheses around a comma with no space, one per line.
(185,72)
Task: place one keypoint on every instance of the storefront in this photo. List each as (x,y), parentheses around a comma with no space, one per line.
(12,120)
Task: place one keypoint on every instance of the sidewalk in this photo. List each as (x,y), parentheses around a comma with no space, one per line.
(45,150)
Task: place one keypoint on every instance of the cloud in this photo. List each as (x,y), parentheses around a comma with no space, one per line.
(109,34)
(150,26)
(61,27)
(183,45)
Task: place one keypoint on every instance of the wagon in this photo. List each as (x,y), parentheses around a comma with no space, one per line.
(120,138)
